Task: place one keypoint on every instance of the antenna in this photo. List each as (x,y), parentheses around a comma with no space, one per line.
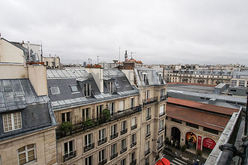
(119,54)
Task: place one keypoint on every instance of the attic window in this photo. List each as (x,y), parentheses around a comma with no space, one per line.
(12,121)
(87,90)
(145,78)
(74,88)
(110,87)
(55,90)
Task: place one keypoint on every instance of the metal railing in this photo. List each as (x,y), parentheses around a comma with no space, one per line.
(80,127)
(150,100)
(89,147)
(69,155)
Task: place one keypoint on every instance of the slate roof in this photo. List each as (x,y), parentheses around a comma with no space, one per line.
(18,95)
(63,79)
(119,79)
(152,76)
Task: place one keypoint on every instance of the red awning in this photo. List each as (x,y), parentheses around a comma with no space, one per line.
(163,161)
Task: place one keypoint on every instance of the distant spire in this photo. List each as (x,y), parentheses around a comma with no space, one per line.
(126,56)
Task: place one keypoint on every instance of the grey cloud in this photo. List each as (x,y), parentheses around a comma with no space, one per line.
(160,31)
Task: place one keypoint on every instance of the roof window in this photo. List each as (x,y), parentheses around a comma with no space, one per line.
(55,90)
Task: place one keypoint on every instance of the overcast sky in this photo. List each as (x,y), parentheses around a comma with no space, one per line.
(157,31)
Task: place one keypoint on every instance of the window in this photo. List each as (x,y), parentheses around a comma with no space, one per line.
(123,127)
(133,140)
(74,88)
(133,157)
(160,141)
(111,107)
(102,155)
(87,89)
(233,83)
(66,117)
(121,105)
(89,160)
(113,151)
(147,161)
(88,139)
(123,145)
(161,125)
(12,121)
(85,114)
(113,133)
(162,92)
(145,79)
(241,83)
(110,87)
(99,110)
(26,154)
(55,90)
(192,125)
(102,134)
(147,147)
(133,123)
(123,161)
(176,120)
(148,131)
(147,94)
(148,113)
(69,150)
(162,110)
(132,102)
(210,130)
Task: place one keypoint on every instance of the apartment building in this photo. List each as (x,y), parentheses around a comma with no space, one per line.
(111,119)
(27,122)
(52,62)
(208,77)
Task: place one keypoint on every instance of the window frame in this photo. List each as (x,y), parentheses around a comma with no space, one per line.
(12,125)
(26,151)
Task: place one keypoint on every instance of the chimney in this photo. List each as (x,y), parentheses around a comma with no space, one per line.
(38,77)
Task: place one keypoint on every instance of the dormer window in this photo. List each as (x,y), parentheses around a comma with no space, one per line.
(110,87)
(55,90)
(160,78)
(87,90)
(12,121)
(74,88)
(145,79)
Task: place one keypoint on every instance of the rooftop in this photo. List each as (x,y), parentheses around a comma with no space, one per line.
(205,115)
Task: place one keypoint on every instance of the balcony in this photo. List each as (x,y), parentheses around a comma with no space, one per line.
(113,156)
(113,136)
(123,150)
(92,123)
(163,97)
(69,155)
(102,141)
(133,162)
(160,145)
(147,152)
(148,134)
(150,100)
(162,114)
(148,117)
(102,162)
(89,147)
(134,127)
(160,130)
(123,131)
(133,144)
